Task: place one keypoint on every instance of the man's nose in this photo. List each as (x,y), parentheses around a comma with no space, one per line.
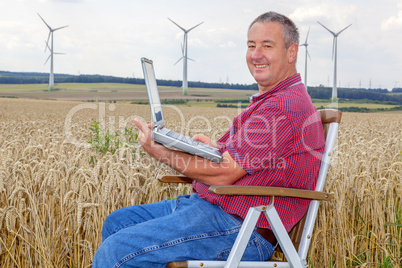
(257,54)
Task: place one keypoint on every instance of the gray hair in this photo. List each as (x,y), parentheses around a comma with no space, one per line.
(290,32)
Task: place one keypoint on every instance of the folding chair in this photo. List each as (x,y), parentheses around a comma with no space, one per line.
(301,234)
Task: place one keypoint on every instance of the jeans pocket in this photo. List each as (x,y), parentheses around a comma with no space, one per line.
(179,199)
(223,255)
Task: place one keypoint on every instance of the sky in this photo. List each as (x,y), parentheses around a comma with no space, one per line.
(109,38)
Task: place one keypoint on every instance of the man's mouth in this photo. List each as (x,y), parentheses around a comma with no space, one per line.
(261,65)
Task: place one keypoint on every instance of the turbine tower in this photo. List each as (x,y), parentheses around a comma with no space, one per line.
(305,62)
(334,56)
(184,55)
(51,75)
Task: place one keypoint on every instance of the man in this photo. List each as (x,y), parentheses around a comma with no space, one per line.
(269,144)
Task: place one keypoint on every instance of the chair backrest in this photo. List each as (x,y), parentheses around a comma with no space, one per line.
(301,234)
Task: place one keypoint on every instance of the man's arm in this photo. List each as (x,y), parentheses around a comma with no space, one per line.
(225,173)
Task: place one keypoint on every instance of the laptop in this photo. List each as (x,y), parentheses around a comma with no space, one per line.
(166,136)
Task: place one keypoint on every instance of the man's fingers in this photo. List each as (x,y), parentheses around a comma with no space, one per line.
(144,131)
(140,125)
(204,139)
(201,138)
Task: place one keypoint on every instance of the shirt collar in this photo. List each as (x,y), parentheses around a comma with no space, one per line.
(294,79)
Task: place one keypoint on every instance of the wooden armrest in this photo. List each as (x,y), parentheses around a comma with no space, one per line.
(177,264)
(174,179)
(268,191)
(330,116)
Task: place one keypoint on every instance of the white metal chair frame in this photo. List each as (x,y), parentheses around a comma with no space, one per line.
(329,117)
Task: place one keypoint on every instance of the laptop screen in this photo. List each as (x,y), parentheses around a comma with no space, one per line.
(152,88)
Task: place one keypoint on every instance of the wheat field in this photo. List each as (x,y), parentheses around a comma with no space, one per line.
(56,190)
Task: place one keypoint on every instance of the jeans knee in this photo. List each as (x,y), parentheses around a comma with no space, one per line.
(99,258)
(108,227)
(106,255)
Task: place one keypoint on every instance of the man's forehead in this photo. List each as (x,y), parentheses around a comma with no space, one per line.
(267,24)
(266,32)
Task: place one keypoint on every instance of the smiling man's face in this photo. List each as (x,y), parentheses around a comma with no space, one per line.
(267,59)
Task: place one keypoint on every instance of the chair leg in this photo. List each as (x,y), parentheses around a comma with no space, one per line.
(243,237)
(283,237)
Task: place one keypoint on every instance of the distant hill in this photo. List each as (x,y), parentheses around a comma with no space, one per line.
(381,95)
(43,78)
(319,92)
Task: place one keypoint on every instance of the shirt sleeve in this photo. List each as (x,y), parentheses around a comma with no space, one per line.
(264,137)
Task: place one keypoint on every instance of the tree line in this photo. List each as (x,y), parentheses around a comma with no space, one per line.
(325,93)
(320,92)
(43,78)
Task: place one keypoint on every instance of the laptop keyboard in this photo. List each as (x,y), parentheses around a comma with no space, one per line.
(177,136)
(182,138)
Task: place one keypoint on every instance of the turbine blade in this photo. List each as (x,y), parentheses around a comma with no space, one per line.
(326,28)
(308,54)
(47,46)
(178,61)
(47,42)
(177,25)
(58,53)
(195,26)
(60,28)
(307,35)
(343,29)
(190,59)
(44,22)
(47,59)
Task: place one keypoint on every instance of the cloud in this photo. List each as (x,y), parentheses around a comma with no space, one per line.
(64,1)
(228,44)
(308,14)
(108,38)
(196,42)
(10,24)
(323,11)
(394,22)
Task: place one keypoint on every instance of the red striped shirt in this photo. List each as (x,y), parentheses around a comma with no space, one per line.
(277,140)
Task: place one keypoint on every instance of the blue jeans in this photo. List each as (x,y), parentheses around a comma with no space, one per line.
(188,228)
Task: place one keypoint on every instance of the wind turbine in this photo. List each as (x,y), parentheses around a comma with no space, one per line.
(51,75)
(334,56)
(184,55)
(305,62)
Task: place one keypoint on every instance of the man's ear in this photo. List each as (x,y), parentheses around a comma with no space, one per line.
(292,52)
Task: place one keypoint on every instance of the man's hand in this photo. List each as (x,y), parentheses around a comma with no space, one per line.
(144,138)
(204,139)
(225,173)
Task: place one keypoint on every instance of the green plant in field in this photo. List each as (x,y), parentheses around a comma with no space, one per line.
(170,197)
(106,142)
(396,229)
(387,263)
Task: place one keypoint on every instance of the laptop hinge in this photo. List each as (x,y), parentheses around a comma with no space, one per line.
(159,125)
